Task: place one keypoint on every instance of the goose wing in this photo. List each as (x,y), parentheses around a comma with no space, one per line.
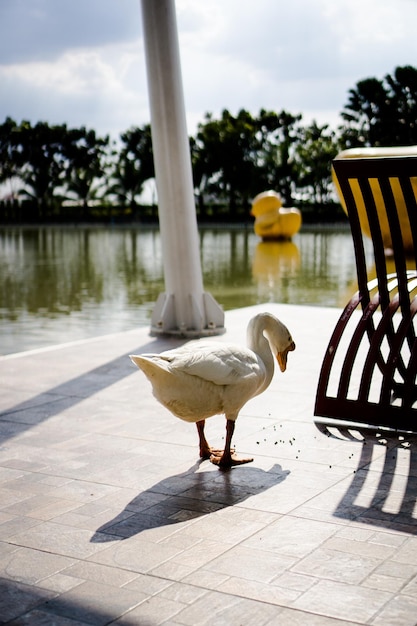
(220,364)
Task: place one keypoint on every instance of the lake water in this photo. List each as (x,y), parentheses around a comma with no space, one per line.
(59,284)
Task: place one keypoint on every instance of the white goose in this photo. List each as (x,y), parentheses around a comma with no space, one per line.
(206,378)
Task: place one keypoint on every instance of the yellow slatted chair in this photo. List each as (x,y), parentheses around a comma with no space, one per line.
(368,376)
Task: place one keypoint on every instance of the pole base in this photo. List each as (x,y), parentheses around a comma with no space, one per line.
(206,320)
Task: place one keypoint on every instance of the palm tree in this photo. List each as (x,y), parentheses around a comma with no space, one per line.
(134,166)
(85,168)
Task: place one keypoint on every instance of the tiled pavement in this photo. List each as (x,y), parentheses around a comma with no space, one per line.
(108,517)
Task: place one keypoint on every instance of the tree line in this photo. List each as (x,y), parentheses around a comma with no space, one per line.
(56,173)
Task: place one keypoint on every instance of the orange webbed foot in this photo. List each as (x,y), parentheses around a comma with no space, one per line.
(227,462)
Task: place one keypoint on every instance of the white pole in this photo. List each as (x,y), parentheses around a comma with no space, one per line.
(184,308)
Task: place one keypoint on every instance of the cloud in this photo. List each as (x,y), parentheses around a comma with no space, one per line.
(82,62)
(42,30)
(84,87)
(298,55)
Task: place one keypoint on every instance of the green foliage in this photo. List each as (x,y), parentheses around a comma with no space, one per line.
(224,159)
(314,154)
(44,165)
(10,158)
(280,133)
(85,155)
(382,112)
(57,173)
(134,166)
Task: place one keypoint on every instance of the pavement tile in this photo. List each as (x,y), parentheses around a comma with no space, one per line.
(292,536)
(383,583)
(154,611)
(290,617)
(401,611)
(411,587)
(59,583)
(173,571)
(44,507)
(343,601)
(395,569)
(251,563)
(294,581)
(136,554)
(44,618)
(337,565)
(407,553)
(221,608)
(17,598)
(31,566)
(181,592)
(201,553)
(107,514)
(93,603)
(15,525)
(149,585)
(57,539)
(7,474)
(369,549)
(206,579)
(113,576)
(261,591)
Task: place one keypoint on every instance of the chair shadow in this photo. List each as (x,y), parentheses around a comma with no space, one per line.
(187,496)
(391,493)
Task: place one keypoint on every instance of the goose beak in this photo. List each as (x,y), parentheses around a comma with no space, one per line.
(282,356)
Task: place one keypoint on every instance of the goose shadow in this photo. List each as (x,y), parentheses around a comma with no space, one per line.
(187,496)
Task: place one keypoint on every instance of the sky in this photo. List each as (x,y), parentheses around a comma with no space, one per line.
(81,62)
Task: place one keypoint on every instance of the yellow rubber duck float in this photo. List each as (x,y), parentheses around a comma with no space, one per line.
(272,220)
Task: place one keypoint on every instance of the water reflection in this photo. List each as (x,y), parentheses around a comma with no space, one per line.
(60,284)
(275,264)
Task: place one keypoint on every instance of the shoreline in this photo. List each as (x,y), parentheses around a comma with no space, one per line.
(306,227)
